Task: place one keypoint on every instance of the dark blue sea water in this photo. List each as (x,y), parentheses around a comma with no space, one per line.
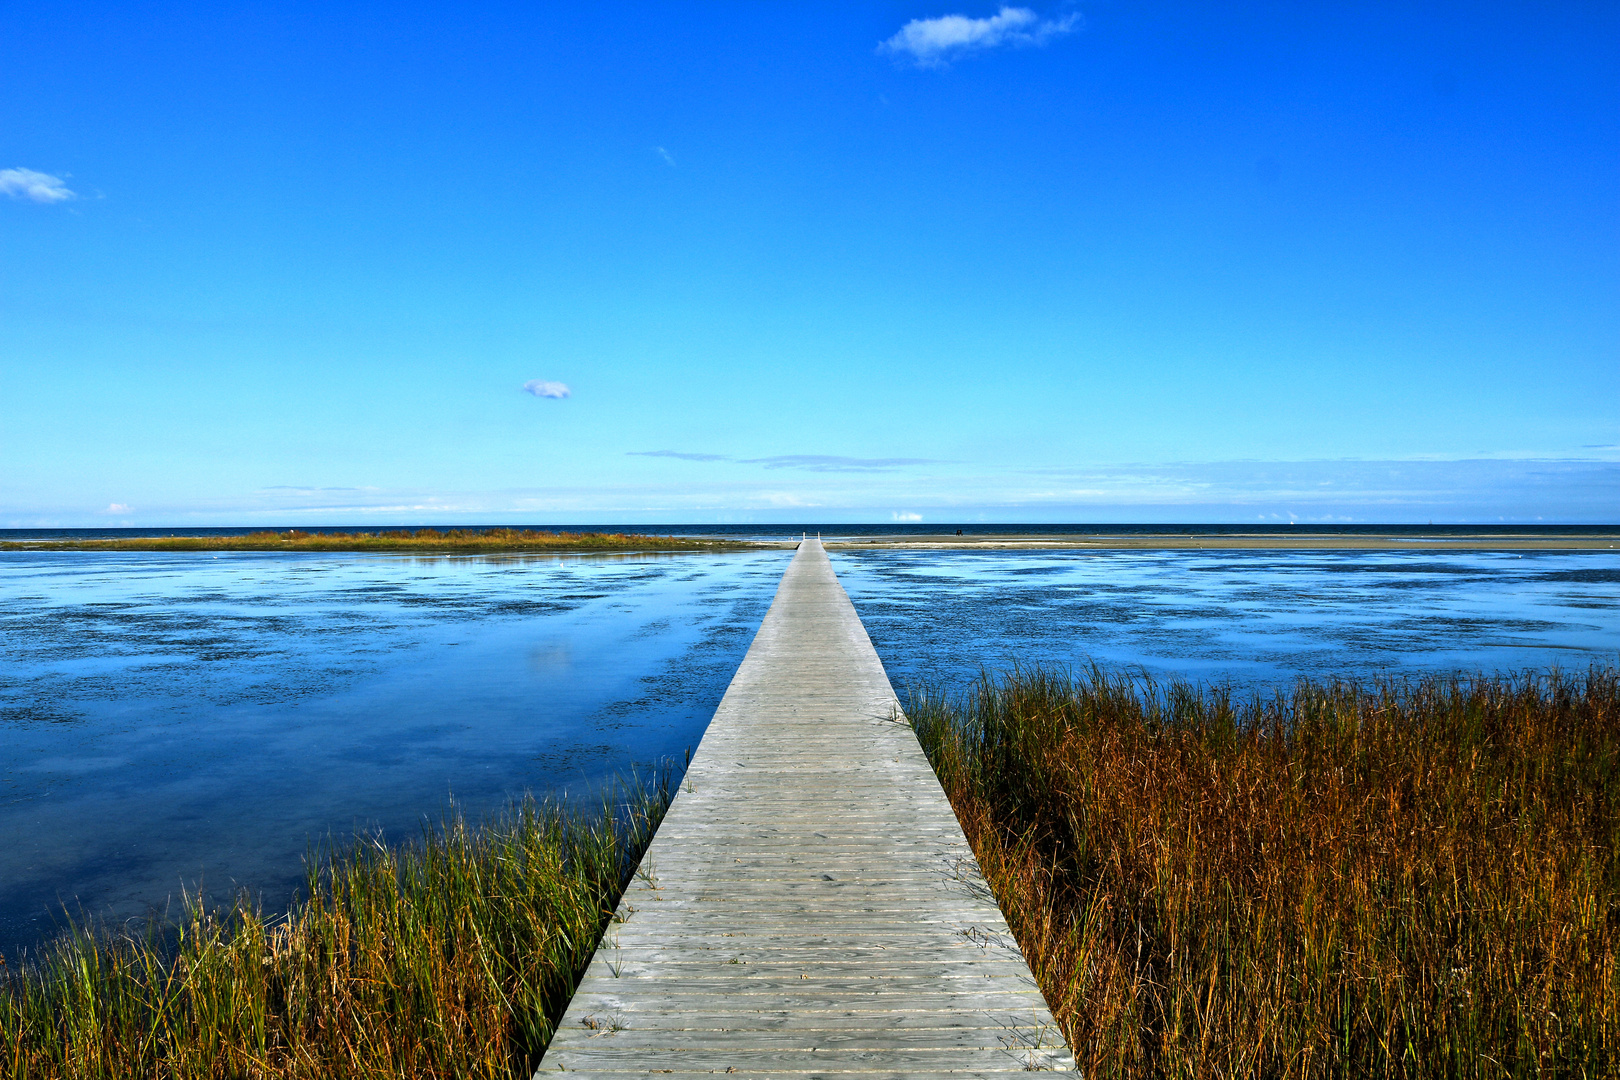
(174,718)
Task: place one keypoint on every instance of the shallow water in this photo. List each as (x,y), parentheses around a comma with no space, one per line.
(166,718)
(1246,617)
(170,717)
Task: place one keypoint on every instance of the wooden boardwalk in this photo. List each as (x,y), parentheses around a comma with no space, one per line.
(809,906)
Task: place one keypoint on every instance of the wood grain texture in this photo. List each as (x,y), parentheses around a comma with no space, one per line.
(810,904)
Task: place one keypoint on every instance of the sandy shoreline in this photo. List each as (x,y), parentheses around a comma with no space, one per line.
(1230,542)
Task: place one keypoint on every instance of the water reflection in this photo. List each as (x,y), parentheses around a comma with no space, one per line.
(166,718)
(1252,618)
(170,717)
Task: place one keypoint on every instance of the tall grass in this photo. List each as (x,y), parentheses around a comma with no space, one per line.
(451,957)
(1404,879)
(462,541)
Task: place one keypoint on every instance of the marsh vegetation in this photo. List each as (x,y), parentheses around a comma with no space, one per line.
(453,956)
(1416,878)
(415,541)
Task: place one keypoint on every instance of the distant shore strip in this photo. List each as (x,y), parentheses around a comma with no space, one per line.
(402,541)
(496,541)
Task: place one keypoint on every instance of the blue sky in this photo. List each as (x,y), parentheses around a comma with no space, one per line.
(279,264)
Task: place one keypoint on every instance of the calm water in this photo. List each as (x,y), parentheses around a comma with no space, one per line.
(1257,618)
(170,717)
(166,718)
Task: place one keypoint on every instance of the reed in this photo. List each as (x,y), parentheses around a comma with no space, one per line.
(1399,879)
(458,541)
(450,957)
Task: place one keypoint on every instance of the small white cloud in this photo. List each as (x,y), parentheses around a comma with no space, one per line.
(936,42)
(669,159)
(542,388)
(34,186)
(906,515)
(118,508)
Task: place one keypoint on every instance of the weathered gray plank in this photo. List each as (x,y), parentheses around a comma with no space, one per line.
(913,1040)
(583,1054)
(669,962)
(811,1019)
(810,903)
(943,1000)
(971,1073)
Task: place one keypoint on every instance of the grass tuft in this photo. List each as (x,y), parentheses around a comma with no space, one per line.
(1414,878)
(454,956)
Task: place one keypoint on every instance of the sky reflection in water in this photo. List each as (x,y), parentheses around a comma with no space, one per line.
(169,717)
(165,717)
(1254,618)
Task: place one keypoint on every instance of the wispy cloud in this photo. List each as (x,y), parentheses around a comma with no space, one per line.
(678,455)
(546,389)
(1409,490)
(936,42)
(905,515)
(668,158)
(1229,491)
(833,463)
(34,186)
(807,462)
(305,489)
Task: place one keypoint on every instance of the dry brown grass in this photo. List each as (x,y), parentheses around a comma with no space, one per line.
(1410,879)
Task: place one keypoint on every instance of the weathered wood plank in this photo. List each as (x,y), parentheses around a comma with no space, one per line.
(947,1000)
(810,903)
(808,1019)
(970,1073)
(629,1036)
(582,1054)
(826,959)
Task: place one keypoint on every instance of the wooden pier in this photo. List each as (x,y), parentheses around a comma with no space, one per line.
(810,906)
